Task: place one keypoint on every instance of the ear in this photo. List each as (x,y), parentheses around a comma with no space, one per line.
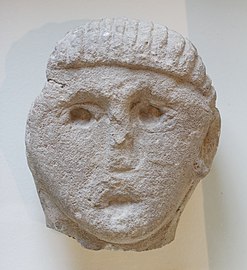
(209,146)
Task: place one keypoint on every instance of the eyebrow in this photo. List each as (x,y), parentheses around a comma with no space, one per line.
(92,90)
(150,92)
(80,97)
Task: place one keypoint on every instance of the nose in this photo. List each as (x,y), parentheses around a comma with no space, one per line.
(122,139)
(120,154)
(121,132)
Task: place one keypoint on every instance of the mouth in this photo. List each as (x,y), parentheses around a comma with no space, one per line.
(117,198)
(121,168)
(119,201)
(116,189)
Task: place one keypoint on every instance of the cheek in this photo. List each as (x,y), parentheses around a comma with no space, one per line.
(168,148)
(72,155)
(168,160)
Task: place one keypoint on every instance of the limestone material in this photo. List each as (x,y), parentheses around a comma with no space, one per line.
(121,134)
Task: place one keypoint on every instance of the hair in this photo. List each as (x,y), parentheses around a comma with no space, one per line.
(132,44)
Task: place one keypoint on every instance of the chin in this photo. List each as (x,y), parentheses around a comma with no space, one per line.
(125,238)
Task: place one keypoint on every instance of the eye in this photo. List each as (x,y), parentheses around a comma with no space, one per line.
(154,115)
(150,114)
(80,115)
(83,114)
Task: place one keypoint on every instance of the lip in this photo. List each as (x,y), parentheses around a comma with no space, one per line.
(119,201)
(120,169)
(117,197)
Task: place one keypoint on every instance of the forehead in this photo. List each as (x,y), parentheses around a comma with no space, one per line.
(117,81)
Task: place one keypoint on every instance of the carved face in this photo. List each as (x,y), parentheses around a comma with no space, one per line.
(116,149)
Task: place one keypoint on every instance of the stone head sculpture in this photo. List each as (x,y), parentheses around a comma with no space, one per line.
(121,134)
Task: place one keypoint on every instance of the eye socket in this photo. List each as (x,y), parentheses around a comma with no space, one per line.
(150,114)
(80,115)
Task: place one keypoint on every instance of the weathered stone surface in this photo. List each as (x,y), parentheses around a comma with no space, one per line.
(121,134)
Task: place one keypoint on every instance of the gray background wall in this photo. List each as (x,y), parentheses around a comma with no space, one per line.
(219,28)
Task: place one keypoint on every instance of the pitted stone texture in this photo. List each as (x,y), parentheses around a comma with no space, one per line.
(121,134)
